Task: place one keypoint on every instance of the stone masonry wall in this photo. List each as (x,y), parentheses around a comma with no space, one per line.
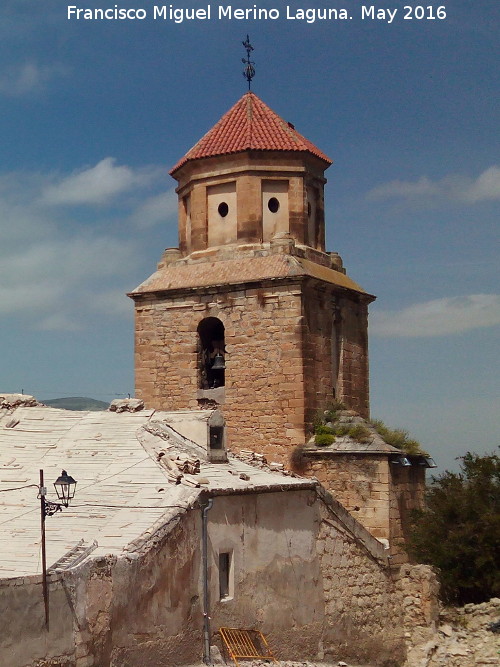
(371,607)
(284,359)
(353,372)
(321,351)
(379,494)
(407,490)
(364,622)
(264,392)
(248,170)
(361,483)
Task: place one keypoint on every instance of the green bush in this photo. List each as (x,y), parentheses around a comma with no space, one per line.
(398,438)
(331,415)
(321,429)
(359,432)
(324,439)
(459,531)
(355,431)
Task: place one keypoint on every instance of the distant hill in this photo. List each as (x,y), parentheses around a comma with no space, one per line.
(76,403)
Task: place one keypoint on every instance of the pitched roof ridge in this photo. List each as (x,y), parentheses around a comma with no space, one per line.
(250,115)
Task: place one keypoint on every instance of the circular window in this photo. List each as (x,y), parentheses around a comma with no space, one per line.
(273,205)
(223,209)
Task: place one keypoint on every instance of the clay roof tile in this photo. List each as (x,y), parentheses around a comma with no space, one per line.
(250,125)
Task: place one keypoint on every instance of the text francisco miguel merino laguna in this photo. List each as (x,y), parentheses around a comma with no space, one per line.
(219,12)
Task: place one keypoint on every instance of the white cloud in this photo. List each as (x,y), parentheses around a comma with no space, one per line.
(156,209)
(21,80)
(26,297)
(112,302)
(96,185)
(59,322)
(60,275)
(439,317)
(60,267)
(454,187)
(486,186)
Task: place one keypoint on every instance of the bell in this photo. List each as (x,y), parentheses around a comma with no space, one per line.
(218,364)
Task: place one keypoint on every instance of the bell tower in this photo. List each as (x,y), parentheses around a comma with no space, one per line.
(250,312)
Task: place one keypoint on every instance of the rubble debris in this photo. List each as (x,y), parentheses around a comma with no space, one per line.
(126,405)
(181,469)
(259,461)
(12,401)
(463,638)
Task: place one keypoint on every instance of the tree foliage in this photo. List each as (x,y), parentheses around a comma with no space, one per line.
(459,531)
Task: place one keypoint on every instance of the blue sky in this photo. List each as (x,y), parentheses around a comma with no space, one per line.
(94,113)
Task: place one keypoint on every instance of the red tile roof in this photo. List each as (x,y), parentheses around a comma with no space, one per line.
(250,125)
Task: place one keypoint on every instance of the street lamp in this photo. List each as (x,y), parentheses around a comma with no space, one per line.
(65,487)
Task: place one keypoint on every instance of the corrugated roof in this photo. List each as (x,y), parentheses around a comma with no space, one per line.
(237,271)
(250,125)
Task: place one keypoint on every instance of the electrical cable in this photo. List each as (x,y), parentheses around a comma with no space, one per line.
(18,488)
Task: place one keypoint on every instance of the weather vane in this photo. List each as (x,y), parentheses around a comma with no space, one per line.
(249,71)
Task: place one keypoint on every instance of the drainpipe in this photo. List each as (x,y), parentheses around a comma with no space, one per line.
(206,618)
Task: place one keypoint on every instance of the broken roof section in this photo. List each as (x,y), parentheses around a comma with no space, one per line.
(250,125)
(136,472)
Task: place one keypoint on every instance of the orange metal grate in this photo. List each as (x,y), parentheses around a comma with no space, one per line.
(246,644)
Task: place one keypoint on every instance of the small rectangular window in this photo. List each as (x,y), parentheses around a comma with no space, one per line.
(216,436)
(225,567)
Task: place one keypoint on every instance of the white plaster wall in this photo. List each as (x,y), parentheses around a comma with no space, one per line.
(277,579)
(24,636)
(190,424)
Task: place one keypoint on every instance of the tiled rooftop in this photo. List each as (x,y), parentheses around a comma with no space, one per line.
(250,125)
(123,493)
(237,271)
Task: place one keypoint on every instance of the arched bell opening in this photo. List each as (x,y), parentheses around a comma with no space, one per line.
(212,353)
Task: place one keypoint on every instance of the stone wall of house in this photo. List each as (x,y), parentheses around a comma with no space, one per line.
(361,483)
(304,572)
(381,495)
(370,606)
(276,572)
(406,493)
